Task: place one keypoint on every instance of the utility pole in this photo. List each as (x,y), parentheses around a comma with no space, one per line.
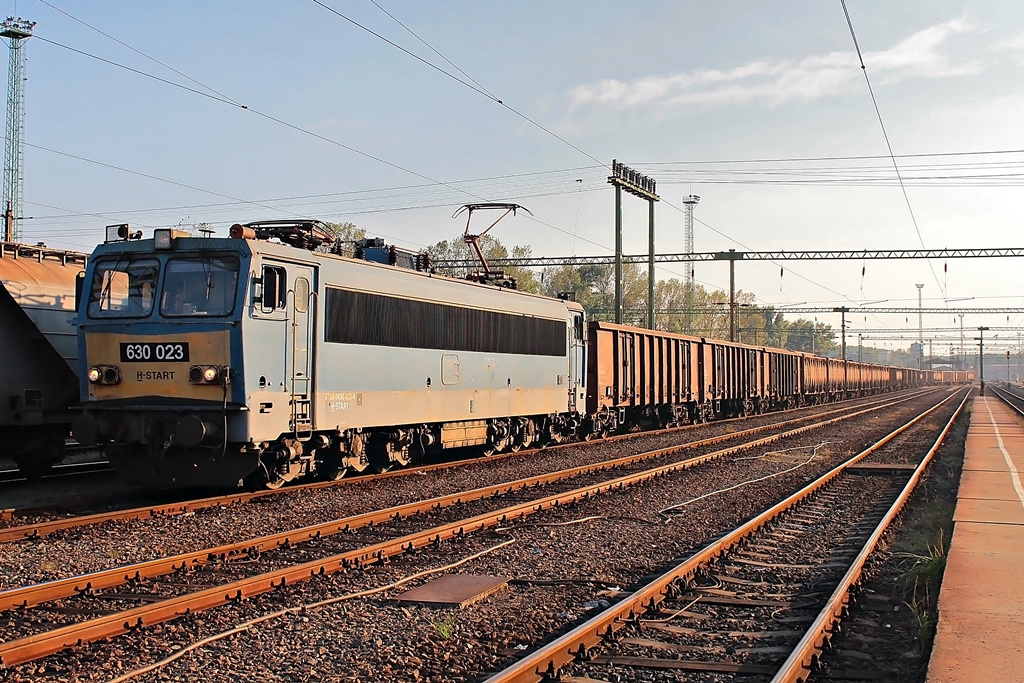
(732,256)
(844,310)
(689,288)
(963,352)
(920,329)
(16,31)
(981,357)
(860,348)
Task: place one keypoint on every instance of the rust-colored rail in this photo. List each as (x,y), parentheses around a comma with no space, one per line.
(40,645)
(798,665)
(546,662)
(39,529)
(36,594)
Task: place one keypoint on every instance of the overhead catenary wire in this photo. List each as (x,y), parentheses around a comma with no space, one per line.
(881,124)
(139,52)
(477,89)
(481,91)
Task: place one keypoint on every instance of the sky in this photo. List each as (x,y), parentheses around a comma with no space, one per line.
(164,113)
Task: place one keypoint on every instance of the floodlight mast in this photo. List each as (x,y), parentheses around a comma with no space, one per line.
(474,240)
(16,31)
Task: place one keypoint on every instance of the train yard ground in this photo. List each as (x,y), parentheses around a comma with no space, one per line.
(307,584)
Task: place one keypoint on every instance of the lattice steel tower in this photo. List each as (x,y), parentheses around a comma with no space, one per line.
(688,284)
(16,31)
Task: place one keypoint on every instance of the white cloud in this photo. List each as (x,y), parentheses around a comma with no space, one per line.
(1015,43)
(810,78)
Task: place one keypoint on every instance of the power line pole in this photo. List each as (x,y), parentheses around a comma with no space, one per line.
(963,352)
(981,357)
(920,330)
(731,256)
(16,31)
(844,310)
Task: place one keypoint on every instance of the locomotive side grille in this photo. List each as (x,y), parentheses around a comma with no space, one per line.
(376,320)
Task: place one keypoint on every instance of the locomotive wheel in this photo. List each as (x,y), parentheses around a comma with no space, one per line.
(41,453)
(495,448)
(334,473)
(383,455)
(339,464)
(33,469)
(356,465)
(525,433)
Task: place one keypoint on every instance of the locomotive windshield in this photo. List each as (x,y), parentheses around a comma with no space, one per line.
(203,285)
(123,289)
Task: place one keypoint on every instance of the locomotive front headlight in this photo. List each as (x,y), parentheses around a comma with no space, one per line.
(111,374)
(94,375)
(210,374)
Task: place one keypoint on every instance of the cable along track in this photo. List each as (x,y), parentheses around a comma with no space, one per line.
(135,583)
(758,603)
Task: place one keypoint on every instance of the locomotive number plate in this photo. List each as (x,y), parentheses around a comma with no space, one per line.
(148,352)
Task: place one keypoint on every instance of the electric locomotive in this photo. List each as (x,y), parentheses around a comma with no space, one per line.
(267,355)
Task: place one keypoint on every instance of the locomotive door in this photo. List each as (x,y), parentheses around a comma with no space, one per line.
(300,343)
(577,363)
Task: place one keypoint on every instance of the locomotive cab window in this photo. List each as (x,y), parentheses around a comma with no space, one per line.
(275,288)
(123,288)
(204,285)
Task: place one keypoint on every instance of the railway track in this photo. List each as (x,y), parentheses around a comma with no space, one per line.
(60,471)
(45,520)
(760,602)
(1010,397)
(144,594)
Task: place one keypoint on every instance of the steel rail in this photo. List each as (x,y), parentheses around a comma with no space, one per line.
(38,529)
(59,470)
(35,594)
(1007,397)
(39,645)
(799,664)
(546,662)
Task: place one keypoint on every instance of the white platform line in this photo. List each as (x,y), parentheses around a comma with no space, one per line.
(1014,475)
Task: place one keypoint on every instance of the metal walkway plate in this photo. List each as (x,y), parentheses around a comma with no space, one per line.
(453,590)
